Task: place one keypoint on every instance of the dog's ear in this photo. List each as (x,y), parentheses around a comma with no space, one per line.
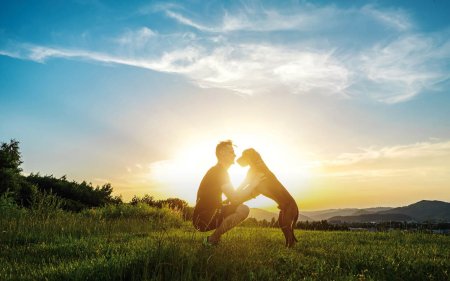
(254,156)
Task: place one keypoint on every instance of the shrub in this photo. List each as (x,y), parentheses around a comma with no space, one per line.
(160,216)
(45,204)
(8,206)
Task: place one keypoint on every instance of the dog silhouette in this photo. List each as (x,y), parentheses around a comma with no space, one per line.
(272,188)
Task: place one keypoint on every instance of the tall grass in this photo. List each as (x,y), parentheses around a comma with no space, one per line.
(140,243)
(45,222)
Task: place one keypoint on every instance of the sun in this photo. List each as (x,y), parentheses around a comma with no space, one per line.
(180,176)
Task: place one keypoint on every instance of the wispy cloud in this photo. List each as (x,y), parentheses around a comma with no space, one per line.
(397,18)
(138,38)
(399,70)
(246,69)
(306,18)
(416,150)
(267,21)
(388,68)
(424,158)
(251,69)
(186,21)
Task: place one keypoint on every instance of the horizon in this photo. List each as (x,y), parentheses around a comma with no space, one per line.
(347,112)
(350,208)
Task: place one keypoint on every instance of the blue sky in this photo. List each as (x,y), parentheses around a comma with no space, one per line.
(353,95)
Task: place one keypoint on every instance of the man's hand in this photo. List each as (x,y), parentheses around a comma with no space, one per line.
(256,180)
(245,191)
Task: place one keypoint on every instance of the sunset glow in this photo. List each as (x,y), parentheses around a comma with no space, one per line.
(351,111)
(182,173)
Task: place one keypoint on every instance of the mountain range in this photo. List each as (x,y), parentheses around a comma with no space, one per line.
(425,210)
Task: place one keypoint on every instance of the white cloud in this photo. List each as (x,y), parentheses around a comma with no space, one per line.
(246,69)
(397,18)
(306,18)
(186,21)
(10,54)
(138,38)
(418,159)
(401,69)
(262,19)
(251,69)
(390,69)
(416,150)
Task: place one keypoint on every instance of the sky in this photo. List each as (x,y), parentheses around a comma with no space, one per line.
(347,102)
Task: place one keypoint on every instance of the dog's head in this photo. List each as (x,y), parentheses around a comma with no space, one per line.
(249,157)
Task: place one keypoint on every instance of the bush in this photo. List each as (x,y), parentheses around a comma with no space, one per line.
(46,204)
(9,181)
(159,216)
(27,193)
(8,206)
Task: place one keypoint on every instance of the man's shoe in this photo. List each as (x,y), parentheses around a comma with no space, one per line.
(208,243)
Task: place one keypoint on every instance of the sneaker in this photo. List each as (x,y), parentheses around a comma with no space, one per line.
(208,243)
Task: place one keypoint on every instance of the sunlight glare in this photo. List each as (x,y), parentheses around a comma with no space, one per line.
(182,174)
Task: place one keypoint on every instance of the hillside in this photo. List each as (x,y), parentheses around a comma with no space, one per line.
(370,218)
(424,210)
(435,211)
(327,214)
(260,215)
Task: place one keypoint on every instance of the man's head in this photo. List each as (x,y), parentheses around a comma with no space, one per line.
(225,152)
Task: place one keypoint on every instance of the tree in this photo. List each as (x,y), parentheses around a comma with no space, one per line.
(10,167)
(10,157)
(147,199)
(10,178)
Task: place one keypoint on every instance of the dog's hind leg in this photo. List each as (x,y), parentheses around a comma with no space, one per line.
(285,225)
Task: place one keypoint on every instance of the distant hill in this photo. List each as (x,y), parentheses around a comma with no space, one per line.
(260,215)
(371,210)
(436,211)
(421,211)
(370,218)
(327,214)
(424,210)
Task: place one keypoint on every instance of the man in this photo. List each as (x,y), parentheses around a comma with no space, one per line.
(209,212)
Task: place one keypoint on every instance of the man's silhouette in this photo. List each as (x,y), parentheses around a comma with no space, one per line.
(209,212)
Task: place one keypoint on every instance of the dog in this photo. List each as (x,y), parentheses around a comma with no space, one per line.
(273,189)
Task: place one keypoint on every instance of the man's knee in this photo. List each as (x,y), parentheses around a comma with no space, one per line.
(243,210)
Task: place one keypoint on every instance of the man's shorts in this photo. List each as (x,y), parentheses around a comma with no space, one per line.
(204,222)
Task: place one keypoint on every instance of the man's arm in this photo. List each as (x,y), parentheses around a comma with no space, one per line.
(244,191)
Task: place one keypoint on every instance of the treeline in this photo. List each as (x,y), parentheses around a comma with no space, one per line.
(313,225)
(72,196)
(171,203)
(75,196)
(324,225)
(27,189)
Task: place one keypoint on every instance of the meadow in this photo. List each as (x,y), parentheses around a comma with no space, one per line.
(143,243)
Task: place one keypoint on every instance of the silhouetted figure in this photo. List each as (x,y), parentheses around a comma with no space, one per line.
(272,188)
(209,212)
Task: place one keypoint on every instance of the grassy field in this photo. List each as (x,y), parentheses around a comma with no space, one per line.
(149,244)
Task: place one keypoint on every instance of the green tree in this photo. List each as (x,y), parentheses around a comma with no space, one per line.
(10,178)
(10,167)
(10,157)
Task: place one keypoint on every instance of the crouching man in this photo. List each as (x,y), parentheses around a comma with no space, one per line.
(209,212)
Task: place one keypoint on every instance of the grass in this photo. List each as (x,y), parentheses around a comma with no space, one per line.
(149,244)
